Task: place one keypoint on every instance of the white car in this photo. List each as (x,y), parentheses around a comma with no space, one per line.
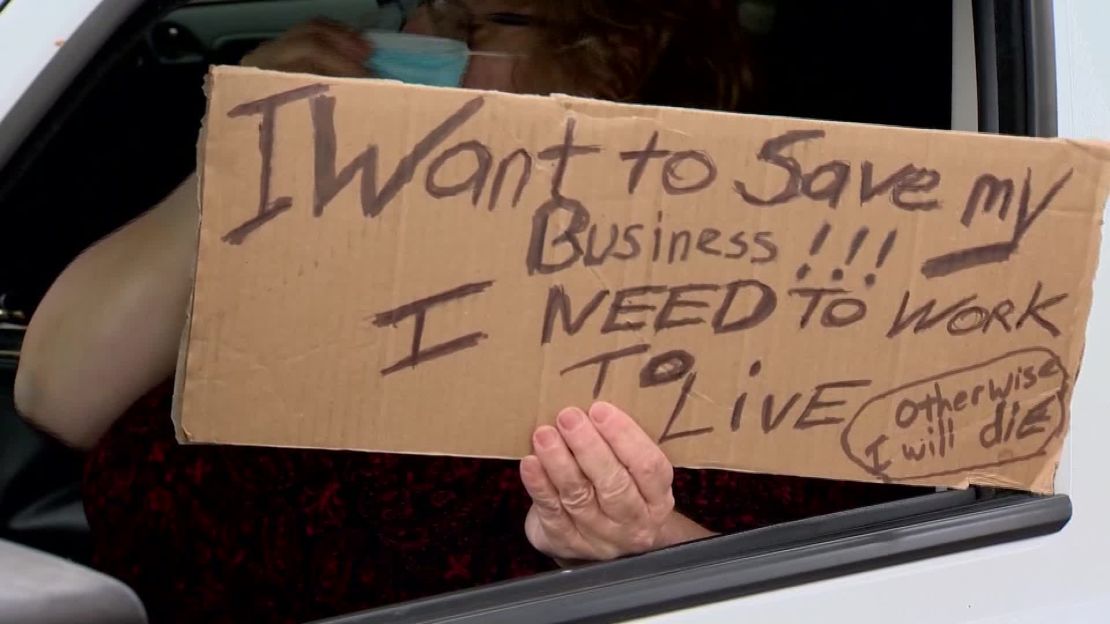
(90,89)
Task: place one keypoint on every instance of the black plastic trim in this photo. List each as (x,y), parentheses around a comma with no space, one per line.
(1040,66)
(746,563)
(1015,66)
(986,64)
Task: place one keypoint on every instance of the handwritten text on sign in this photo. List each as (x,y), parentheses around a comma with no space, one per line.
(385,267)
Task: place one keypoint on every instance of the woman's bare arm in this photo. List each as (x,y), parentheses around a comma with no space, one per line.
(108,330)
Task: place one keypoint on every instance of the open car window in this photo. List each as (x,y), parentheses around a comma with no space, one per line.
(140,92)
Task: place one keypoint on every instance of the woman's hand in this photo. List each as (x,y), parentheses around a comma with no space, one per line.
(600,488)
(317,47)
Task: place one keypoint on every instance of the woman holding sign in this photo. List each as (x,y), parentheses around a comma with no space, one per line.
(294,534)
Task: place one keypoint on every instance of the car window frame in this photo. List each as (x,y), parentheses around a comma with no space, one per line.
(1014,54)
(742,564)
(103,37)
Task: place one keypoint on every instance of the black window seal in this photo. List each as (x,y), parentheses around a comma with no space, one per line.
(1016,66)
(1040,55)
(742,564)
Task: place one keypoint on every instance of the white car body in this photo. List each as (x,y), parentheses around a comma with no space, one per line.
(1063,577)
(1059,578)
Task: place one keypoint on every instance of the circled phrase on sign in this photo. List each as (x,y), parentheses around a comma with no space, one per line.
(1004,410)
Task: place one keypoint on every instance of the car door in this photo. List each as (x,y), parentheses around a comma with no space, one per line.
(95,69)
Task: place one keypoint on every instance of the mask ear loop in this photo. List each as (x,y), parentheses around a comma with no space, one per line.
(516,55)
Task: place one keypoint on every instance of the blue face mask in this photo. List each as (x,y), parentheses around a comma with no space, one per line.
(417,59)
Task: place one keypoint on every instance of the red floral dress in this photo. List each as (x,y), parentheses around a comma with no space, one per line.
(240,534)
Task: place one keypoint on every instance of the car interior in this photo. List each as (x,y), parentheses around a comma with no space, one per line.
(872,61)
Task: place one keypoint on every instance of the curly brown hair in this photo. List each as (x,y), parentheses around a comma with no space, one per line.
(689,53)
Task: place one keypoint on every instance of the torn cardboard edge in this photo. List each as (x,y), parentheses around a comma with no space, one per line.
(180,433)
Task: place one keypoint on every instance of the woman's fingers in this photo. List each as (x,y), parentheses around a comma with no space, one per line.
(323,49)
(303,56)
(543,492)
(576,492)
(339,38)
(617,493)
(337,66)
(548,527)
(601,488)
(317,47)
(645,461)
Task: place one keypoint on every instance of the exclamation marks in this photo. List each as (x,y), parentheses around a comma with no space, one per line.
(854,247)
(815,248)
(884,251)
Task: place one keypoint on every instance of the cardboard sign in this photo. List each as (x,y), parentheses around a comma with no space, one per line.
(395,268)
